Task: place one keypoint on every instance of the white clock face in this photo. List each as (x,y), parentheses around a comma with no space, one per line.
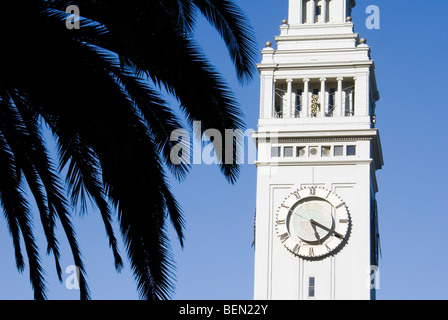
(304,217)
(313,223)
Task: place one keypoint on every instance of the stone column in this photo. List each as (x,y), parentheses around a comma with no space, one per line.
(322,96)
(340,104)
(295,12)
(288,111)
(305,98)
(312,12)
(324,11)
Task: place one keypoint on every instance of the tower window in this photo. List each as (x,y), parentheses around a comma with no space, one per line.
(288,152)
(326,151)
(311,287)
(351,150)
(318,10)
(301,151)
(338,151)
(275,152)
(314,151)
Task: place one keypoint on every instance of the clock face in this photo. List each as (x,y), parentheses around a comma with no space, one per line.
(313,223)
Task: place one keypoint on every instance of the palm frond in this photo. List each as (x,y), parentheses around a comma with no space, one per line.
(25,142)
(232,24)
(112,126)
(17,213)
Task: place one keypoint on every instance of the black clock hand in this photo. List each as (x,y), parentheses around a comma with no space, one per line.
(316,233)
(338,235)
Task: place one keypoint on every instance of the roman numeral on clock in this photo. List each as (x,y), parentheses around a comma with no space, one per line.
(296,249)
(284,237)
(311,252)
(281,221)
(340,205)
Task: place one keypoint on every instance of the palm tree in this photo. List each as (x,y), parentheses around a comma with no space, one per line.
(98,90)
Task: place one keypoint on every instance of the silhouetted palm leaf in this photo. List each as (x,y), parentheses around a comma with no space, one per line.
(112,126)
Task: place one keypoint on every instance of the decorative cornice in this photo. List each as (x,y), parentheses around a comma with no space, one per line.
(333,36)
(317,139)
(301,162)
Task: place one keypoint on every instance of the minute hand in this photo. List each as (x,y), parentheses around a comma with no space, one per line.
(338,235)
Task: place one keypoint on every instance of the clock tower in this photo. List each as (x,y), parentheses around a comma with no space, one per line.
(316,229)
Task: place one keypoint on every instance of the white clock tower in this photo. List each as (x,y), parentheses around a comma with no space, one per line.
(316,233)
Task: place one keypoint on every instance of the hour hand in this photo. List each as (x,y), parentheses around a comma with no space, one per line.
(338,235)
(316,233)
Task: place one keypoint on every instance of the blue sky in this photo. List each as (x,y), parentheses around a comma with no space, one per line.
(217,262)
